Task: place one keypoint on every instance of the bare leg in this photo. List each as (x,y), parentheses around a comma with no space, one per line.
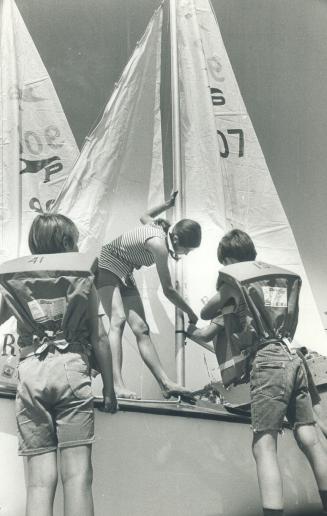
(269,477)
(308,439)
(113,305)
(320,416)
(41,484)
(77,475)
(322,437)
(136,319)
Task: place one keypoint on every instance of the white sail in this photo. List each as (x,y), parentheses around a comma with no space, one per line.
(227,181)
(120,163)
(37,148)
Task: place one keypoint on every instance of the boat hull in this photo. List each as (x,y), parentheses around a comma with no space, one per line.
(168,459)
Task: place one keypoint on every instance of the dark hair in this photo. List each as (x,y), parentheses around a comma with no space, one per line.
(48,231)
(164,224)
(238,245)
(188,232)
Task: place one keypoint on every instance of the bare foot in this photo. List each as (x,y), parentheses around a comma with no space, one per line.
(123,392)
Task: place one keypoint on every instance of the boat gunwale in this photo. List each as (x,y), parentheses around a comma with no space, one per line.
(161,407)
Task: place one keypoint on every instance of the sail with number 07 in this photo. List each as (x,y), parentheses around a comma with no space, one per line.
(37,148)
(227,183)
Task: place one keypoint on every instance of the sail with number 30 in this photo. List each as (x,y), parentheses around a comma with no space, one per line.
(37,148)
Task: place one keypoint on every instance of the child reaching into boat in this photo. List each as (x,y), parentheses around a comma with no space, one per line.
(57,322)
(268,311)
(151,243)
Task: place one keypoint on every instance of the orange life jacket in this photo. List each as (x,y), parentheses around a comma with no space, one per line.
(267,311)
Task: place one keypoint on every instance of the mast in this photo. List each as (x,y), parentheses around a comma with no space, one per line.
(178,185)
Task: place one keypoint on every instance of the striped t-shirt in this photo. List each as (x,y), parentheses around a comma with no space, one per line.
(128,251)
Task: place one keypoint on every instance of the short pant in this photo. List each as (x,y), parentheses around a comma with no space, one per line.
(107,278)
(279,389)
(54,402)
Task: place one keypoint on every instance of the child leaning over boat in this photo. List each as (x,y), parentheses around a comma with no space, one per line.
(54,402)
(278,381)
(145,245)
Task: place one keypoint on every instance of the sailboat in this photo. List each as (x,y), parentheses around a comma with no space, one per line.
(157,456)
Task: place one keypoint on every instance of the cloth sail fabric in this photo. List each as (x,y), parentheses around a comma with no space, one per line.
(119,172)
(37,147)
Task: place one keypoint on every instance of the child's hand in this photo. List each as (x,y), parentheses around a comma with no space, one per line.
(191,329)
(109,403)
(171,201)
(193,318)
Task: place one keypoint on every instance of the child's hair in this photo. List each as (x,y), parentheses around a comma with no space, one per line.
(164,224)
(48,231)
(238,245)
(188,232)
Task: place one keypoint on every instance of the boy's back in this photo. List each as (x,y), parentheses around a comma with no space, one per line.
(265,309)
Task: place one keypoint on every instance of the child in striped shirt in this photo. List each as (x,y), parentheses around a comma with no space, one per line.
(151,243)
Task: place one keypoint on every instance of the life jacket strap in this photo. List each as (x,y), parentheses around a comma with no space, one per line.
(39,346)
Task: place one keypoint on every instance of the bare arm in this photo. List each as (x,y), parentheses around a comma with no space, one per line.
(102,351)
(159,250)
(205,334)
(216,304)
(149,215)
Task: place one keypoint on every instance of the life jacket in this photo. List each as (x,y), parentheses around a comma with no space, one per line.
(48,294)
(267,311)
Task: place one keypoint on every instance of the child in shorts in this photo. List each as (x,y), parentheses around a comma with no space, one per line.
(278,385)
(54,402)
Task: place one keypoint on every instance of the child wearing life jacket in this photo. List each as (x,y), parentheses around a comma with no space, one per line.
(56,307)
(262,309)
(152,243)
